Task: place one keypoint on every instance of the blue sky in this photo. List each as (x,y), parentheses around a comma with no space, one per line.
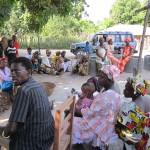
(98,10)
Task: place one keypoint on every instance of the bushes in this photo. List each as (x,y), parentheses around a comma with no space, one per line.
(48,43)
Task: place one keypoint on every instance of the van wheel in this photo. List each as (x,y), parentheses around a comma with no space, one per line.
(80,53)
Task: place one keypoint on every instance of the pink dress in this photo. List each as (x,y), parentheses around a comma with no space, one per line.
(98,122)
(86,102)
(111,57)
(5,75)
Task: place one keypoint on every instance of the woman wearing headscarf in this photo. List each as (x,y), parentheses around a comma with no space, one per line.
(97,124)
(133,123)
(127,54)
(110,47)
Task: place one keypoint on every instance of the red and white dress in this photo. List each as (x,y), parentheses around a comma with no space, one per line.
(98,122)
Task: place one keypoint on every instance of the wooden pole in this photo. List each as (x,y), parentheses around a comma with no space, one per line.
(143,36)
(141,9)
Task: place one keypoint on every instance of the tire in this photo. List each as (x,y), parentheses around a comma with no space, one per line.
(79,53)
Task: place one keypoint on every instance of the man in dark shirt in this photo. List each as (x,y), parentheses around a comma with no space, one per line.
(31,124)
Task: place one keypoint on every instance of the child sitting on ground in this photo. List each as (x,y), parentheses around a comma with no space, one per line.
(60,66)
(81,67)
(36,62)
(29,55)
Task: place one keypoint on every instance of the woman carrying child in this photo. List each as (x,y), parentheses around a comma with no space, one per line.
(36,62)
(97,124)
(86,98)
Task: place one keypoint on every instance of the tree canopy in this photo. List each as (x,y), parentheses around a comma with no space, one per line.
(36,13)
(123,11)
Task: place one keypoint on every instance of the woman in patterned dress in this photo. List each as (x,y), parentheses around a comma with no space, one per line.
(97,124)
(133,122)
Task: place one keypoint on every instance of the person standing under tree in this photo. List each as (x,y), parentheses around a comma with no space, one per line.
(10,52)
(16,44)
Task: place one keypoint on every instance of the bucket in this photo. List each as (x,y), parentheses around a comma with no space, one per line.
(147,62)
(92,66)
(132,63)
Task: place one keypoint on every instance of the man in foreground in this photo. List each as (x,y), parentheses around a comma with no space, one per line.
(31,124)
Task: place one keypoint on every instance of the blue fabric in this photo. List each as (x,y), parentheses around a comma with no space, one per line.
(7,86)
(87,49)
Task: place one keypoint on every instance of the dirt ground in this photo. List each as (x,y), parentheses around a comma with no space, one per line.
(65,83)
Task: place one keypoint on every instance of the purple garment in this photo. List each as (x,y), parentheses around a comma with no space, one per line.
(5,75)
(86,102)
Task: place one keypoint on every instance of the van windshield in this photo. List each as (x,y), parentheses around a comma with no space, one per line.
(124,36)
(115,37)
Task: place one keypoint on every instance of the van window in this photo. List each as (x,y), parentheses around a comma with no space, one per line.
(129,36)
(115,37)
(97,37)
(123,36)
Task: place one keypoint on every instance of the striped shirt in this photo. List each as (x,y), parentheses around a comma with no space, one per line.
(11,54)
(31,110)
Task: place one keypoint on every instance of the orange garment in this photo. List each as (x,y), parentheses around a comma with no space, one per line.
(123,62)
(114,61)
(16,45)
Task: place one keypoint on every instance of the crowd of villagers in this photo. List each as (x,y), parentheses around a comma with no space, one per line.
(52,65)
(104,56)
(102,116)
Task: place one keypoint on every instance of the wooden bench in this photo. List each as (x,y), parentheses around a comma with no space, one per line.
(63,126)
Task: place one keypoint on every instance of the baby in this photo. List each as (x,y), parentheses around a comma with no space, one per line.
(86,98)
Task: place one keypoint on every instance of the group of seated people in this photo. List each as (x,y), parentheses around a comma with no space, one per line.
(104,56)
(55,65)
(103,118)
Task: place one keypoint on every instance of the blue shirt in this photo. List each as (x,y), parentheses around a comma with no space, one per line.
(87,49)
